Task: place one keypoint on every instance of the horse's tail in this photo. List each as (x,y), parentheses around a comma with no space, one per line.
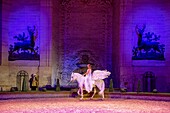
(102,87)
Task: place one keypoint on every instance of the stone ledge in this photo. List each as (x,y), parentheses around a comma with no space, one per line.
(69,94)
(5,87)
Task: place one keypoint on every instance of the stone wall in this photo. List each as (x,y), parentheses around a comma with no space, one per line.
(86,32)
(155,14)
(16,16)
(72,33)
(0,30)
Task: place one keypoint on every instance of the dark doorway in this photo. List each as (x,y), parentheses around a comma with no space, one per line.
(149,81)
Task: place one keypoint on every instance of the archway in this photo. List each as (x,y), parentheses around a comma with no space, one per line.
(149,81)
(22,80)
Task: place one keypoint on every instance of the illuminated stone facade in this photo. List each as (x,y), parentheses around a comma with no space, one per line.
(72,33)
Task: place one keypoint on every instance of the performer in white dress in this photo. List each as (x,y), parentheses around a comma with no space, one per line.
(88,79)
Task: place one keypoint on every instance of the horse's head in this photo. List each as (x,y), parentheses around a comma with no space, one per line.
(76,76)
(73,77)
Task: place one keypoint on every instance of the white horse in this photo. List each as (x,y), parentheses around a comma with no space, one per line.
(97,80)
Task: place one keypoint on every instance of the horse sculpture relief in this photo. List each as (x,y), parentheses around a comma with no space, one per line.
(148,46)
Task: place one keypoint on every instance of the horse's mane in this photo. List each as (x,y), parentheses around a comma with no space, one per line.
(77,74)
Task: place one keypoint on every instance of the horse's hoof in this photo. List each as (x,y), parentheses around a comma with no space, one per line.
(91,98)
(81,98)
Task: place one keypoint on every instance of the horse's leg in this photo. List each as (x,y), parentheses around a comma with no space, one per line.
(100,84)
(103,87)
(78,92)
(103,96)
(81,93)
(93,93)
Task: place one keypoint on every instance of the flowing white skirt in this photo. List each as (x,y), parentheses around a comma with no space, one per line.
(88,83)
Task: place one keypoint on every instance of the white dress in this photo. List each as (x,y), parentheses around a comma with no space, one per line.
(88,82)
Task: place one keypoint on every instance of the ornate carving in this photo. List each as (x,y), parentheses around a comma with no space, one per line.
(85,1)
(84,59)
(64,2)
(110,2)
(148,46)
(24,48)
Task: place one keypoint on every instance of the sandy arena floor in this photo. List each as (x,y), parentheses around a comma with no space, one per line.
(74,105)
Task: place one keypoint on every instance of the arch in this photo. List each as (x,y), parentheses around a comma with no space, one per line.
(149,81)
(22,80)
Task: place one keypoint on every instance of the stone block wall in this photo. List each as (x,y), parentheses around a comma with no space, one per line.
(86,31)
(74,32)
(0,30)
(155,14)
(16,16)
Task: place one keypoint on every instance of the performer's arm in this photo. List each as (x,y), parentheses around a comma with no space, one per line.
(87,72)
